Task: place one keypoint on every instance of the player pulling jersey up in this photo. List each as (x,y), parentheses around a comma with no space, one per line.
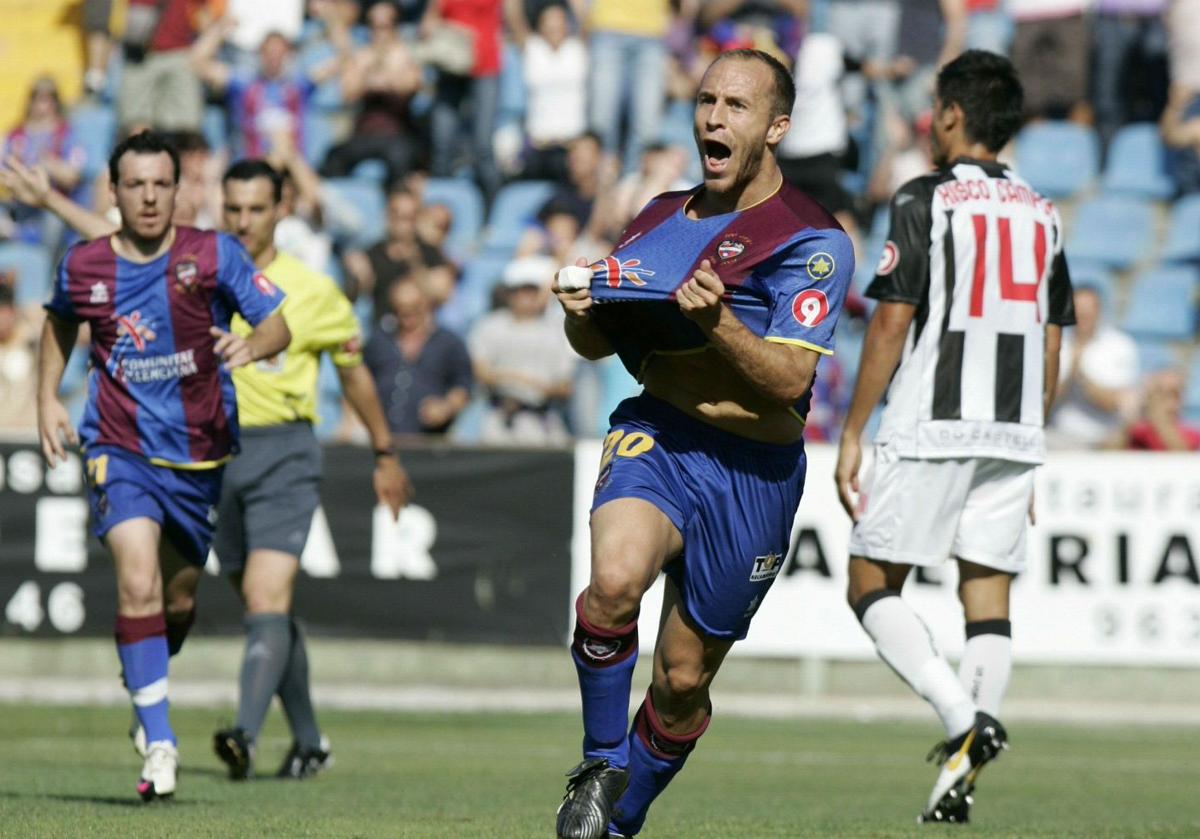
(720,300)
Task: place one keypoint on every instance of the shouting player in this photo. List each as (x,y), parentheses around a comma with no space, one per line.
(974,292)
(271,488)
(721,300)
(161,416)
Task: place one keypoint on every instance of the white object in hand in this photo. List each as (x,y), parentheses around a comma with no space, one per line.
(574,278)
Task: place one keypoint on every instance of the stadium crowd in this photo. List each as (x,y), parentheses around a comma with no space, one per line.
(443,157)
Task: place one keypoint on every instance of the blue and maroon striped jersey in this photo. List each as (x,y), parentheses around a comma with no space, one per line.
(786,264)
(155,386)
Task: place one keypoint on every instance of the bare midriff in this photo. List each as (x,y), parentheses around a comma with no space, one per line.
(704,385)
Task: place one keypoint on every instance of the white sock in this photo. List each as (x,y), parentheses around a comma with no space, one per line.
(987,663)
(904,642)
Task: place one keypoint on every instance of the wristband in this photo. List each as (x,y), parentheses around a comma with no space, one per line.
(384,453)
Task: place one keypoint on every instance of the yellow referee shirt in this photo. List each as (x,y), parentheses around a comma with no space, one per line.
(284,388)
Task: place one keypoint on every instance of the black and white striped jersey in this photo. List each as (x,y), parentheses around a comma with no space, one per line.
(980,254)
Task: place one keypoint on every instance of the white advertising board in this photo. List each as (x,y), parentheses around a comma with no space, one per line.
(1113,575)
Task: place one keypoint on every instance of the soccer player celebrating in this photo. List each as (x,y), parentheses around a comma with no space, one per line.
(973,293)
(271,488)
(721,300)
(161,416)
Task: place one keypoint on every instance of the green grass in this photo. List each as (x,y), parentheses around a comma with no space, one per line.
(70,772)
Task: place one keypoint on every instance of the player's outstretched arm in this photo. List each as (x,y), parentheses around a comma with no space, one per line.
(269,338)
(392,486)
(54,423)
(582,333)
(882,348)
(781,372)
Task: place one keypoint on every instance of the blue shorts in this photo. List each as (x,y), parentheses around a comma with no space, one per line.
(123,486)
(732,499)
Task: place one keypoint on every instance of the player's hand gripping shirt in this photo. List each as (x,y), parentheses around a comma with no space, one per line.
(155,386)
(980,255)
(785,262)
(284,388)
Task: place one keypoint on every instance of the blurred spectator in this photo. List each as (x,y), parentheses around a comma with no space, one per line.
(918,56)
(198,201)
(18,368)
(868,30)
(399,254)
(476,82)
(773,26)
(906,155)
(1051,52)
(1183,43)
(1161,427)
(522,360)
(299,233)
(831,391)
(97,43)
(1129,70)
(586,173)
(381,77)
(628,54)
(810,155)
(276,97)
(662,170)
(422,371)
(44,139)
(989,26)
(1180,126)
(1097,375)
(554,64)
(158,85)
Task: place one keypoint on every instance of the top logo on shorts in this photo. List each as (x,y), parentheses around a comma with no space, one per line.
(730,249)
(766,567)
(820,265)
(186,274)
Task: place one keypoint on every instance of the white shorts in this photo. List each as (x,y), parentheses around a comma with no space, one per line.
(922,512)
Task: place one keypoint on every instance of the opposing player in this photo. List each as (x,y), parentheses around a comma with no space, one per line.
(161,416)
(720,300)
(271,489)
(973,293)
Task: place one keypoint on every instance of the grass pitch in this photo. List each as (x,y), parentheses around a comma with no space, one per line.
(71,772)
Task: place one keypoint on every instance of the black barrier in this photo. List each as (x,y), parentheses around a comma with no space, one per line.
(482,555)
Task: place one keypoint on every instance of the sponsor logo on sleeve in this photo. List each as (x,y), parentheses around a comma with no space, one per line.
(265,286)
(820,265)
(810,307)
(889,259)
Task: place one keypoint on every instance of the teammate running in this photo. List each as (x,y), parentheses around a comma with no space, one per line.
(161,417)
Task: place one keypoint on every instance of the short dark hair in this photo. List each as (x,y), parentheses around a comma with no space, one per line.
(251,168)
(985,85)
(144,142)
(784,98)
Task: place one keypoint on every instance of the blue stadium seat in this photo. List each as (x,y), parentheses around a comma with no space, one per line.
(473,295)
(354,211)
(1059,159)
(516,205)
(1155,355)
(95,129)
(215,128)
(511,107)
(1093,275)
(1191,396)
(370,170)
(466,204)
(1137,163)
(33,268)
(320,133)
(1183,231)
(1112,231)
(1162,304)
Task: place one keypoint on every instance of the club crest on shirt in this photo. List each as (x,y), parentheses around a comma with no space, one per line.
(616,271)
(889,259)
(186,274)
(731,248)
(820,265)
(99,293)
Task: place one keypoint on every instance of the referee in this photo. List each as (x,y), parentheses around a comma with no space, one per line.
(271,488)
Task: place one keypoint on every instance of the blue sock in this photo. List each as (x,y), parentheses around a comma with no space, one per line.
(142,648)
(604,660)
(655,757)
